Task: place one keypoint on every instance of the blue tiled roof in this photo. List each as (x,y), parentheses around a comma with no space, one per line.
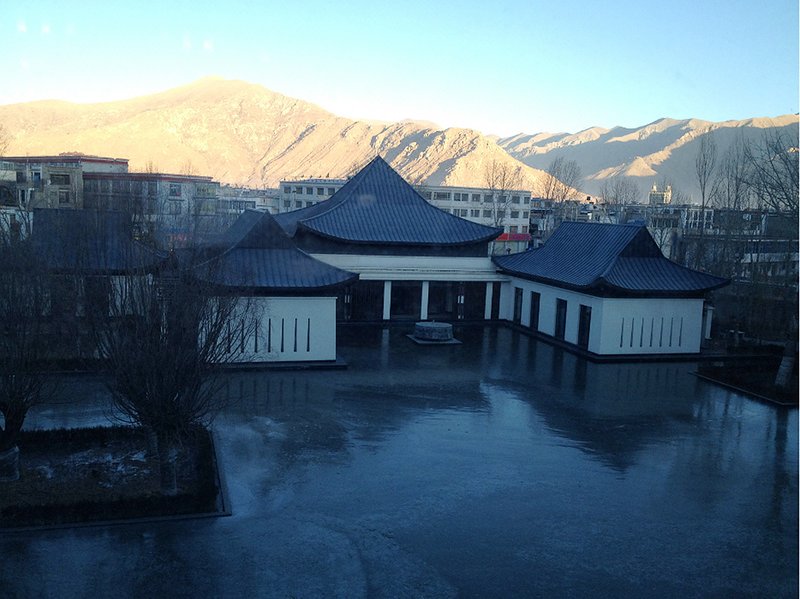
(594,256)
(89,242)
(261,256)
(377,206)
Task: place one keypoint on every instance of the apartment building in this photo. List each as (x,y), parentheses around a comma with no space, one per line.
(51,181)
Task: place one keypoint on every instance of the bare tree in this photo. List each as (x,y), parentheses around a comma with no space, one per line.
(163,336)
(773,179)
(187,168)
(773,174)
(562,180)
(732,197)
(501,177)
(23,301)
(620,191)
(705,164)
(5,140)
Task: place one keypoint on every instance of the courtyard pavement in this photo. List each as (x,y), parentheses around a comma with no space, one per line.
(502,467)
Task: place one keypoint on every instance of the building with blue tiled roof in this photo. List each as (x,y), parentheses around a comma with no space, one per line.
(608,290)
(415,261)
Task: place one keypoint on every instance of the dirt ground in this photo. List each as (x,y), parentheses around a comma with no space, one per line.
(58,472)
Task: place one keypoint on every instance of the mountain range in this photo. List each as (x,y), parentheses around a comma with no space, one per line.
(244,134)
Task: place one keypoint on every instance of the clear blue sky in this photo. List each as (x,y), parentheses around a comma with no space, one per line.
(501,66)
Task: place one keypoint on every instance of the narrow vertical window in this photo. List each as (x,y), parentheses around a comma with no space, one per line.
(308,334)
(680,333)
(652,325)
(641,334)
(295,335)
(633,326)
(282,335)
(241,341)
(661,334)
(621,332)
(671,323)
(255,337)
(269,335)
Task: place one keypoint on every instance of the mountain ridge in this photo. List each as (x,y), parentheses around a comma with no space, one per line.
(245,134)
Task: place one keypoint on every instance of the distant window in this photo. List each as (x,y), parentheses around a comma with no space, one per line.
(309,204)
(287,203)
(524,228)
(465,212)
(475,213)
(512,229)
(441,195)
(174,190)
(515,199)
(487,214)
(21,178)
(526,200)
(287,189)
(320,191)
(310,191)
(63,196)
(476,197)
(59,179)
(427,195)
(331,191)
(298,204)
(298,190)
(487,197)
(174,207)
(525,214)
(514,214)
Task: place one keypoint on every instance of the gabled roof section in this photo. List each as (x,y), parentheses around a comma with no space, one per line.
(90,242)
(256,230)
(604,257)
(261,257)
(377,206)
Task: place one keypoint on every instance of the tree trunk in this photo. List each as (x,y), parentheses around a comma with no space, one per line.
(9,464)
(167,458)
(787,364)
(152,444)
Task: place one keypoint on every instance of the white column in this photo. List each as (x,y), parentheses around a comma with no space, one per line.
(487,312)
(423,307)
(387,299)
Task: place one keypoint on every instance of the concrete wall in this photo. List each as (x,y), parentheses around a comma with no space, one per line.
(292,329)
(619,326)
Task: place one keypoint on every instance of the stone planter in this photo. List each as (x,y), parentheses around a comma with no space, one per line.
(9,464)
(433,331)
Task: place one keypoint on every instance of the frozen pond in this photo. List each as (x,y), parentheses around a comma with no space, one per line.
(500,467)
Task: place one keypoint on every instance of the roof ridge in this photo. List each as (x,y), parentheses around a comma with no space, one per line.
(351,184)
(613,262)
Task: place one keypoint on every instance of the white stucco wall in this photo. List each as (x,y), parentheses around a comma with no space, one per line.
(613,320)
(651,326)
(292,329)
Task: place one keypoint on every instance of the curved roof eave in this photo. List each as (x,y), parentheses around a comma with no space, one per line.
(494,235)
(601,283)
